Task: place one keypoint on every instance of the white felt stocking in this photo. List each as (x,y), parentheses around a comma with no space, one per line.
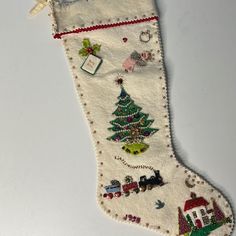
(115,54)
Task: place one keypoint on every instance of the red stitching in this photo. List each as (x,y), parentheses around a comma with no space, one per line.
(97,27)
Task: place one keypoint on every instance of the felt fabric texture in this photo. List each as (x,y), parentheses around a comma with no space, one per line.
(162,207)
(74,14)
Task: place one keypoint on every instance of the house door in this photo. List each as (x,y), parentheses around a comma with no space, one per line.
(198,224)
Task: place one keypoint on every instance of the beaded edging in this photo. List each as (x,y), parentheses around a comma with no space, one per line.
(172,155)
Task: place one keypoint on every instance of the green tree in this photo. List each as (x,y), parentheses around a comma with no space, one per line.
(218,213)
(131,126)
(184,226)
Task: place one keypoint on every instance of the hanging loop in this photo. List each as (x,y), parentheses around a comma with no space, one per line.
(39,6)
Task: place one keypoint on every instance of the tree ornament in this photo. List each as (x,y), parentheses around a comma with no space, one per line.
(130,119)
(119,79)
(117,139)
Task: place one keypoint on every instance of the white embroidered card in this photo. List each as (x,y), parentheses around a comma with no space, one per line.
(91,64)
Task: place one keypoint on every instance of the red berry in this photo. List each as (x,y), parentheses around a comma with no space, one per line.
(90,50)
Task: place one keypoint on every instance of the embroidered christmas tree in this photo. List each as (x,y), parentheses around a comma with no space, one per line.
(184,226)
(131,126)
(219,215)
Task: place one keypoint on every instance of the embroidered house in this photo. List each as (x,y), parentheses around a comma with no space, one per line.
(198,219)
(196,211)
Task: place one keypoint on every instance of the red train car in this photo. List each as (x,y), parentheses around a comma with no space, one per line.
(130,187)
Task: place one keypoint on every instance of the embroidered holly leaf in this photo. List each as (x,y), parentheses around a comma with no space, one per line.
(86,43)
(83,52)
(88,48)
(96,48)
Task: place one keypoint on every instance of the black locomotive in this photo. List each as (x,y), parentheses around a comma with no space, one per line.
(153,181)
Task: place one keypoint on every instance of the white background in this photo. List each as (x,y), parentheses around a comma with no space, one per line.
(47,163)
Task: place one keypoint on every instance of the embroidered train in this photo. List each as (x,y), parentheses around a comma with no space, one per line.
(116,189)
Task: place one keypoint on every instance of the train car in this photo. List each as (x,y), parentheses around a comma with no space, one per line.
(130,186)
(113,190)
(153,181)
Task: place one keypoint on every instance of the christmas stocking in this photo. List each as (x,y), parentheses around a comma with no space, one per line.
(115,54)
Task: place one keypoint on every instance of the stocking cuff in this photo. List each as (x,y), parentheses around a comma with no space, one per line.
(74,16)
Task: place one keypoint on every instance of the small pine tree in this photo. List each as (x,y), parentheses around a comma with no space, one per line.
(189,220)
(184,226)
(131,126)
(219,215)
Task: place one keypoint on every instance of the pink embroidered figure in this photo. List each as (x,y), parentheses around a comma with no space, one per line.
(129,64)
(139,59)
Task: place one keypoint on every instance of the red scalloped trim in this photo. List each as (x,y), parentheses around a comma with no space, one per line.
(97,27)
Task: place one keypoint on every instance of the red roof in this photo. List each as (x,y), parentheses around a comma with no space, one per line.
(196,202)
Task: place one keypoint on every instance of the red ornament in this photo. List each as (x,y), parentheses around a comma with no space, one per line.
(119,81)
(125,40)
(130,119)
(146,133)
(117,139)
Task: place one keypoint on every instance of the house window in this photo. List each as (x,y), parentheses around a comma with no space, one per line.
(194,214)
(203,212)
(206,220)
